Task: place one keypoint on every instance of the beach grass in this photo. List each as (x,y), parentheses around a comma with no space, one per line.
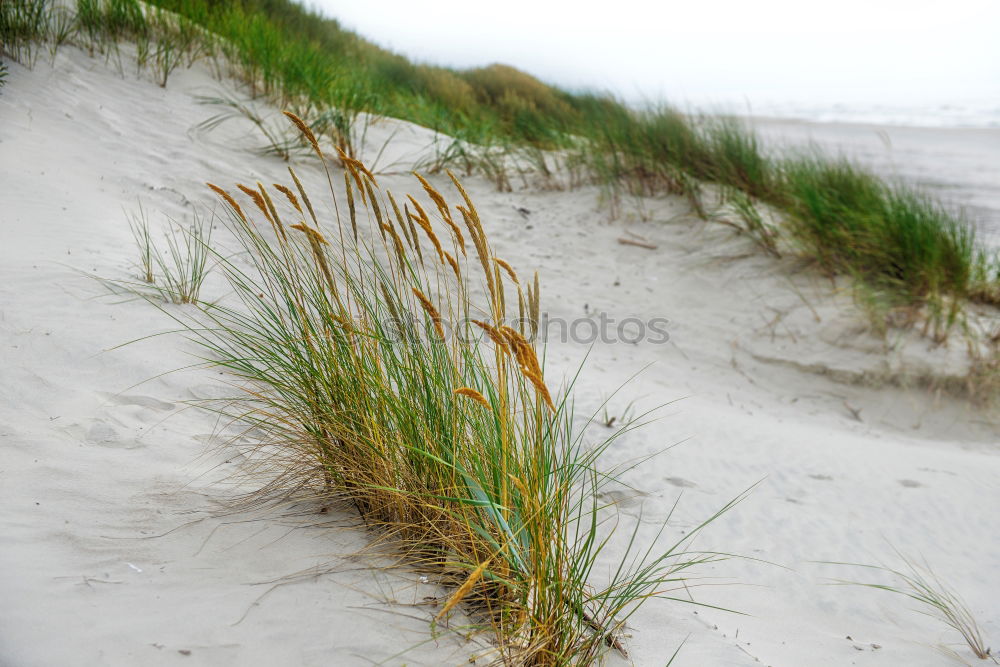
(24,25)
(935,598)
(895,238)
(177,271)
(374,377)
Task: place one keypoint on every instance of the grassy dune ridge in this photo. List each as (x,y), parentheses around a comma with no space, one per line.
(903,247)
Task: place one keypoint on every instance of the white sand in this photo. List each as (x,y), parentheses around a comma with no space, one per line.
(114,545)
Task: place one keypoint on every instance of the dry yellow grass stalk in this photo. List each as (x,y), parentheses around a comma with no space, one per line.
(470,393)
(465,195)
(527,361)
(520,309)
(276,223)
(228,199)
(431,310)
(305,197)
(533,306)
(522,349)
(390,302)
(421,214)
(290,196)
(400,250)
(500,306)
(413,233)
(355,164)
(267,200)
(495,335)
(257,199)
(316,241)
(373,202)
(539,384)
(443,208)
(481,250)
(433,194)
(454,266)
(429,231)
(463,590)
(349,168)
(509,269)
(350,205)
(306,131)
(311,234)
(399,219)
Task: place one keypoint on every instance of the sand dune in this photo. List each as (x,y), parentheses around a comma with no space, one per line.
(117,546)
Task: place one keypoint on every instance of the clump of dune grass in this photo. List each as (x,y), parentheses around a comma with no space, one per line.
(277,141)
(936,599)
(184,265)
(899,242)
(750,219)
(139,225)
(177,272)
(379,380)
(23,25)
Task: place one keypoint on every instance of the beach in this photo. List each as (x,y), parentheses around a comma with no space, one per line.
(119,543)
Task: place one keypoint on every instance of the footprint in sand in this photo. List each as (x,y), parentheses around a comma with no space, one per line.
(141,401)
(203,392)
(103,434)
(622,498)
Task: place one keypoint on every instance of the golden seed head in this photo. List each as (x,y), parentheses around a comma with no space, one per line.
(302,192)
(400,251)
(539,384)
(350,204)
(354,164)
(474,395)
(311,233)
(495,335)
(306,131)
(292,199)
(228,199)
(463,590)
(257,199)
(420,209)
(431,310)
(523,351)
(508,268)
(442,206)
(454,265)
(426,226)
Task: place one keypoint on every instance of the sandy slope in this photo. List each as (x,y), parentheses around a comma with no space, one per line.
(114,545)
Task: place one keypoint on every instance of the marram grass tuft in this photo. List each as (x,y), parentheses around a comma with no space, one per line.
(379,381)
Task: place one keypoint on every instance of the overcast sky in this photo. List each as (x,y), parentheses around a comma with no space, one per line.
(709,52)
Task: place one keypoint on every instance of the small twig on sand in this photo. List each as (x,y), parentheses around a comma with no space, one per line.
(638,244)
